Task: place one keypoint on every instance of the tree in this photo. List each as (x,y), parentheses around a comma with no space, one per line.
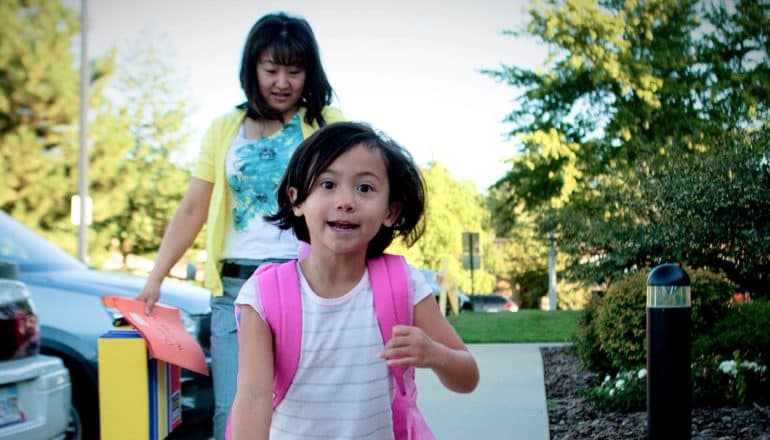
(135,136)
(632,90)
(453,208)
(137,140)
(38,108)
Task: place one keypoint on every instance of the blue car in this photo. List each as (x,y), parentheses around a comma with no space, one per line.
(72,314)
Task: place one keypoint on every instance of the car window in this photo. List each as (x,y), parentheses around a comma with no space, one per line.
(30,251)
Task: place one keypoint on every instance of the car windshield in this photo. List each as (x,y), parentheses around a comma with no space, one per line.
(31,252)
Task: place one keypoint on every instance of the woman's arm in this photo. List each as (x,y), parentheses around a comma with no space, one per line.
(433,343)
(180,234)
(252,409)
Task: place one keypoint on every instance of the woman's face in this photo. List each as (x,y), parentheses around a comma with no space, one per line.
(280,85)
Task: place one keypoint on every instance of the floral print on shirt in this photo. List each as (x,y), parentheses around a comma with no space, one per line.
(259,167)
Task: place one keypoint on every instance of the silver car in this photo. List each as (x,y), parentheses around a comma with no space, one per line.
(69,300)
(34,389)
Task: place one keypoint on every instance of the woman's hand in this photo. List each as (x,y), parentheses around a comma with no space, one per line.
(150,294)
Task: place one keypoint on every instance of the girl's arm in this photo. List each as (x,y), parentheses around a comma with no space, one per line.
(180,234)
(433,343)
(252,408)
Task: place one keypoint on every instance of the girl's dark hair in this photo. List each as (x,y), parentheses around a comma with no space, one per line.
(291,42)
(313,156)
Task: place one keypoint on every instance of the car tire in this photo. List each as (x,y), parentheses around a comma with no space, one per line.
(85,399)
(75,427)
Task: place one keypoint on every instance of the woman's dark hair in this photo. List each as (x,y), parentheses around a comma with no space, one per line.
(292,43)
(313,156)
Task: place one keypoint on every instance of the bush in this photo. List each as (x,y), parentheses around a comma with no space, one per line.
(626,392)
(612,334)
(621,322)
(732,381)
(586,341)
(531,285)
(745,329)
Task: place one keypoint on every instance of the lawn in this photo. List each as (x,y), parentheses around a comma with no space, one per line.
(521,326)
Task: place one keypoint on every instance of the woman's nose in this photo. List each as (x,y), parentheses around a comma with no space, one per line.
(282,79)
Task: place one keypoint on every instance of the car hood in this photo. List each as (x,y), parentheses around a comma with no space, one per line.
(194,300)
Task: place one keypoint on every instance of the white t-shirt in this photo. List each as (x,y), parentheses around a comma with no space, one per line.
(341,389)
(254,171)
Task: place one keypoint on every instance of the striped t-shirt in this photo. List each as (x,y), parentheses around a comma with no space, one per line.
(341,390)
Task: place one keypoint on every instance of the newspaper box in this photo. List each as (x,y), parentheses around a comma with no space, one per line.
(139,372)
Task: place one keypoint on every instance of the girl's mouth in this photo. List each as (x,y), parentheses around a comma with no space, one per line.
(342,226)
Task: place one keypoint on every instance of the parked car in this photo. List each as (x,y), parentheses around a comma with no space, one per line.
(35,389)
(493,303)
(431,277)
(70,295)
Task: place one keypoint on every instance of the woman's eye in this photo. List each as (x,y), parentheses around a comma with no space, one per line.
(326,184)
(365,187)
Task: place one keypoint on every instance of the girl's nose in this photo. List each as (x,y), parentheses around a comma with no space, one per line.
(345,201)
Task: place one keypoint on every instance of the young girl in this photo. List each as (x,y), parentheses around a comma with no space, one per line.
(348,191)
(243,156)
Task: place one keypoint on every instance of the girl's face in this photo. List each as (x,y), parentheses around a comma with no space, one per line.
(348,202)
(280,85)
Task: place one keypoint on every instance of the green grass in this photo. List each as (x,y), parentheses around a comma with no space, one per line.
(521,326)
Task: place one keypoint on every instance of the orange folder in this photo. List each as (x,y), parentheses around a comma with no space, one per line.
(166,337)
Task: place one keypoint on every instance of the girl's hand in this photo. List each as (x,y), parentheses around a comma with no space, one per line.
(410,347)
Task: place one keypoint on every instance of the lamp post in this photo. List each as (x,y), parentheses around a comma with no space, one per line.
(669,382)
(83,139)
(551,272)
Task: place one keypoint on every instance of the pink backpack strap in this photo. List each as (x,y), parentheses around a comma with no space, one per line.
(281,301)
(388,275)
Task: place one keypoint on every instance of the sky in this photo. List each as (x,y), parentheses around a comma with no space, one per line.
(407,67)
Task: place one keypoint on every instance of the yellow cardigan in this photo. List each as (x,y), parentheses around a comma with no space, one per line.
(211,168)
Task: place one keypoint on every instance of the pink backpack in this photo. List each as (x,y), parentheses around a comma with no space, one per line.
(280,296)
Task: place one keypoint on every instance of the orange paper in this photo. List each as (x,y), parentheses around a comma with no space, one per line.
(166,338)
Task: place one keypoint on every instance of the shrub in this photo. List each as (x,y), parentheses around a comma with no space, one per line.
(744,328)
(626,392)
(621,322)
(733,381)
(612,335)
(586,341)
(531,284)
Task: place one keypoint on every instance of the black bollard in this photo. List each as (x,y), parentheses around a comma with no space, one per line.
(669,382)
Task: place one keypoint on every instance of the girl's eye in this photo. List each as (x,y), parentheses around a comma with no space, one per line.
(326,184)
(365,188)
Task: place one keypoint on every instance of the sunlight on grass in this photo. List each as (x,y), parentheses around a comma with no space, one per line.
(521,326)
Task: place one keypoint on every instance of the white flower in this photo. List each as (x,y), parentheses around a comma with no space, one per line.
(619,384)
(612,392)
(728,367)
(642,373)
(606,379)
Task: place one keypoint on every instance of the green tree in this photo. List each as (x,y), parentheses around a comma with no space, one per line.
(631,90)
(135,132)
(139,137)
(453,208)
(38,111)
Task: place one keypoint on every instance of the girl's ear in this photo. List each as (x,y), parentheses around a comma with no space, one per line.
(393,213)
(292,193)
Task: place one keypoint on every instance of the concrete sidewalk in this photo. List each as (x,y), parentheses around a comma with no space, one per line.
(509,402)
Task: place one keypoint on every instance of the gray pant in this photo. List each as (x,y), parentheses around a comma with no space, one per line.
(224,348)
